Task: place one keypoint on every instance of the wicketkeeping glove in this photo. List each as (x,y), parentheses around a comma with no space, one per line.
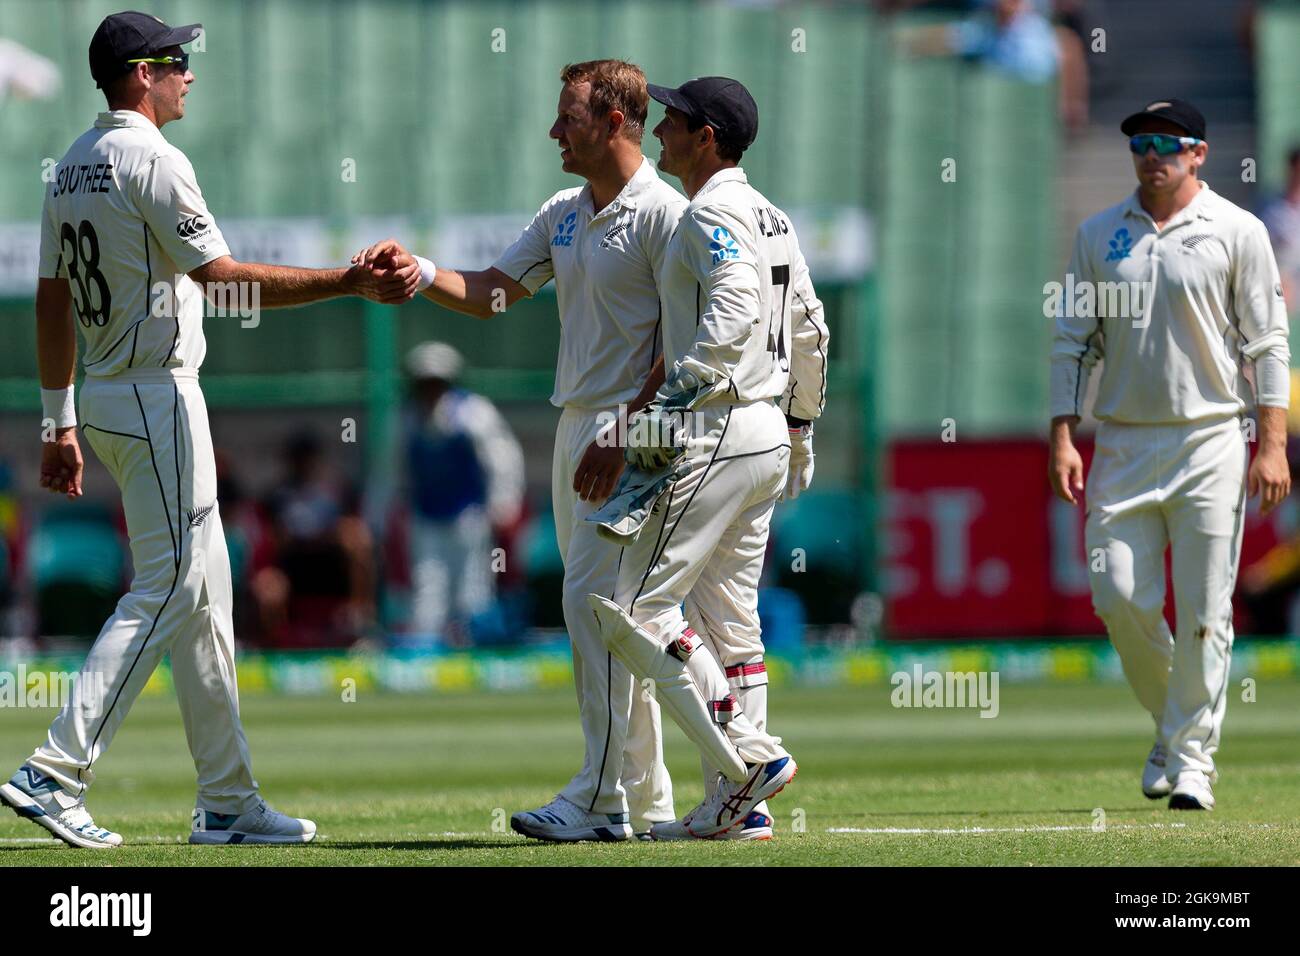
(654,438)
(801,462)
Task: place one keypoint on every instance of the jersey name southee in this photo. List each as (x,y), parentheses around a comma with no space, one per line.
(83,178)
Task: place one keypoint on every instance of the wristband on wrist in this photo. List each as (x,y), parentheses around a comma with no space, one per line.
(427,272)
(60,405)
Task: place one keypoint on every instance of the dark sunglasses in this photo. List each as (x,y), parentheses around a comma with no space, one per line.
(1164,144)
(183,61)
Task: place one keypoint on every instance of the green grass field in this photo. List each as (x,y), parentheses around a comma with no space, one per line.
(432,780)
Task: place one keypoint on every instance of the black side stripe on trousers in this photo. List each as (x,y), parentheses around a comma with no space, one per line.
(752,454)
(609,702)
(176,574)
(703,478)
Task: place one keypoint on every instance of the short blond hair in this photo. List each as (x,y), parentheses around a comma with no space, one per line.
(615,85)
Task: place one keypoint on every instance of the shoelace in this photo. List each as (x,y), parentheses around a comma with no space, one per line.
(1158,755)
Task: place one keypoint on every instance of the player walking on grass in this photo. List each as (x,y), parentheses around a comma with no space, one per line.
(745,347)
(1171,449)
(602,243)
(125,235)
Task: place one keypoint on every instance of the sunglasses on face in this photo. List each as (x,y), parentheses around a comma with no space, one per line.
(1163,143)
(183,61)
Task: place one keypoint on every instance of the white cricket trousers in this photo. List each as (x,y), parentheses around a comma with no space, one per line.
(703,547)
(623,770)
(150,429)
(1150,487)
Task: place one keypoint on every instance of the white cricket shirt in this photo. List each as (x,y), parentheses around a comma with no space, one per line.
(124,215)
(604,268)
(1211,297)
(739,304)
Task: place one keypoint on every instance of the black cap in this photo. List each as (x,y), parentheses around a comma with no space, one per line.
(1179,112)
(128,36)
(715,101)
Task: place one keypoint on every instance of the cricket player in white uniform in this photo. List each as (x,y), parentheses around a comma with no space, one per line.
(125,236)
(745,348)
(1172,445)
(602,243)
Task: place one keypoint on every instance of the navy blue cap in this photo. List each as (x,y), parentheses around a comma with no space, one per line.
(1179,112)
(715,101)
(128,36)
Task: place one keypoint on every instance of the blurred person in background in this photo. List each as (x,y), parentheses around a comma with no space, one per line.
(1269,584)
(462,478)
(26,75)
(1010,36)
(1016,38)
(11,540)
(1282,217)
(318,589)
(247,537)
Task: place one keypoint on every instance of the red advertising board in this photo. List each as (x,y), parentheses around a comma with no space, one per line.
(976,544)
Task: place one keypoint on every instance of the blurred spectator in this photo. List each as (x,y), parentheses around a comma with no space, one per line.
(460,478)
(1069,18)
(247,541)
(26,75)
(1010,36)
(1016,38)
(11,538)
(1282,217)
(319,588)
(1269,585)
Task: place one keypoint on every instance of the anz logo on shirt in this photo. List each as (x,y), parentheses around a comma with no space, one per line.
(723,246)
(1121,247)
(564,231)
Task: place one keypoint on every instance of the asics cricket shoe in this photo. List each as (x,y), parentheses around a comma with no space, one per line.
(40,799)
(562,821)
(1192,792)
(732,802)
(757,826)
(262,824)
(1155,785)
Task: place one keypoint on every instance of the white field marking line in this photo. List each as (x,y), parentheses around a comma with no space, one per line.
(947,831)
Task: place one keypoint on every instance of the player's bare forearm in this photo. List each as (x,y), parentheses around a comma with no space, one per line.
(1065,464)
(481,294)
(1270,473)
(1063,427)
(649,388)
(56,333)
(56,356)
(281,287)
(1272,428)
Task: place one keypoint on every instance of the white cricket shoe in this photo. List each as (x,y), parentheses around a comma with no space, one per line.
(732,802)
(262,824)
(1192,792)
(1155,784)
(40,799)
(563,821)
(757,826)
